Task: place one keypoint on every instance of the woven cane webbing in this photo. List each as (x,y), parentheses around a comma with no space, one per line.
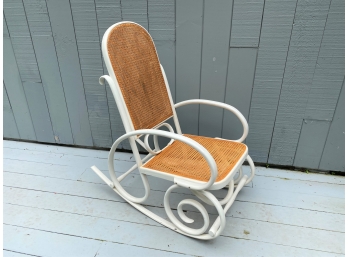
(182,160)
(134,59)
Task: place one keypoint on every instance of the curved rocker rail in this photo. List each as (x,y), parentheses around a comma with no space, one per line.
(205,196)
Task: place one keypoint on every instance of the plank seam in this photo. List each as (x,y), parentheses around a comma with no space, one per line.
(9,33)
(257,56)
(120,12)
(10,102)
(200,71)
(91,238)
(60,75)
(280,91)
(284,245)
(102,158)
(109,200)
(316,63)
(298,141)
(228,63)
(252,87)
(328,132)
(101,54)
(154,190)
(147,14)
(159,225)
(21,252)
(78,55)
(31,39)
(263,12)
(233,237)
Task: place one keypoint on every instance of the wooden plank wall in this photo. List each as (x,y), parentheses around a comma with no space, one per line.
(281,63)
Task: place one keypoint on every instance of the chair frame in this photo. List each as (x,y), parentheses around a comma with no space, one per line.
(198,188)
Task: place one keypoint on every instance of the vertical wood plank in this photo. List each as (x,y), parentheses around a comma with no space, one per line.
(10,126)
(333,155)
(274,41)
(240,81)
(108,13)
(40,30)
(21,40)
(329,71)
(16,93)
(51,80)
(136,11)
(215,53)
(189,28)
(69,65)
(246,23)
(39,111)
(166,55)
(161,16)
(87,37)
(311,143)
(307,33)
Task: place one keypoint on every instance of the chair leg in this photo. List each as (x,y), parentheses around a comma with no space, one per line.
(194,232)
(207,197)
(217,222)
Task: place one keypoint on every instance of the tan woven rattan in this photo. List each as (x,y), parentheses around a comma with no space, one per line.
(134,59)
(182,160)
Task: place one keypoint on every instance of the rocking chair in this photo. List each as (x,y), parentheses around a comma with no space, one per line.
(140,88)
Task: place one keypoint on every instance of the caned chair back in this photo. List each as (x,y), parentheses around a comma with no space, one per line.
(136,66)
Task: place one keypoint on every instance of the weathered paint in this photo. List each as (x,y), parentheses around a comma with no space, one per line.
(278,62)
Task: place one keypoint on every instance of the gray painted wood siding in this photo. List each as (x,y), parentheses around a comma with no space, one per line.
(281,63)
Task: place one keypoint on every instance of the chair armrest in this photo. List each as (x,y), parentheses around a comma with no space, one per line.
(224,106)
(180,181)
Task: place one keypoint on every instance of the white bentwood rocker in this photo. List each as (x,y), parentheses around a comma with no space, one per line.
(140,88)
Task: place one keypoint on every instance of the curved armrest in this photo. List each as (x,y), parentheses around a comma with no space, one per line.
(224,106)
(182,182)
